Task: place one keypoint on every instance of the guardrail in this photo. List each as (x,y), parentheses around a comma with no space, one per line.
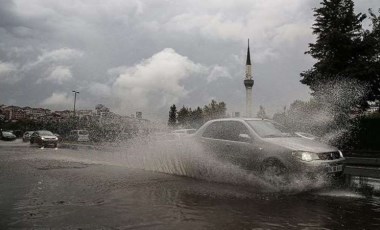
(362,166)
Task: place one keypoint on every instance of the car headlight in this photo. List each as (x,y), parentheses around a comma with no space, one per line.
(306,156)
(42,138)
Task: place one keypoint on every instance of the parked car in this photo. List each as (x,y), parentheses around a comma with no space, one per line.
(267,147)
(184,131)
(79,135)
(7,136)
(44,138)
(26,136)
(58,136)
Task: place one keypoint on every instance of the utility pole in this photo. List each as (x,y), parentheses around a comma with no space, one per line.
(75,99)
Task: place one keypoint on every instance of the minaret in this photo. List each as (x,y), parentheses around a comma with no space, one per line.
(248,82)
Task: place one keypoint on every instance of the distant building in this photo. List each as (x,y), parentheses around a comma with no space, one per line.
(84,113)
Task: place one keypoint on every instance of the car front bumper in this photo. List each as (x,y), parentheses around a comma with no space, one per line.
(331,167)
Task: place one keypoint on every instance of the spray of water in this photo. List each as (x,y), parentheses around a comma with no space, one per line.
(186,157)
(330,113)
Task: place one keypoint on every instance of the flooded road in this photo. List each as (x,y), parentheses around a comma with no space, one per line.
(92,189)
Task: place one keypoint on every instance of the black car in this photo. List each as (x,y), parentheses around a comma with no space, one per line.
(7,136)
(44,138)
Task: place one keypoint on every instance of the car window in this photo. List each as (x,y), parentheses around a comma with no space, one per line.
(233,131)
(269,129)
(214,130)
(226,130)
(83,132)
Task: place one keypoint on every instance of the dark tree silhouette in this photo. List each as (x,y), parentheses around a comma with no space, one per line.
(172,116)
(343,50)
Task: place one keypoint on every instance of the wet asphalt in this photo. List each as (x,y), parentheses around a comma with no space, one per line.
(94,189)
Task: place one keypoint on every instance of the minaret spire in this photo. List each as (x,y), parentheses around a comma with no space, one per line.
(248,83)
(248,55)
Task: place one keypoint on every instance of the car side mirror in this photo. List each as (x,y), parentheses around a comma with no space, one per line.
(244,137)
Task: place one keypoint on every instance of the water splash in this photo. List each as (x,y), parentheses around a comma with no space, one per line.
(330,114)
(185,157)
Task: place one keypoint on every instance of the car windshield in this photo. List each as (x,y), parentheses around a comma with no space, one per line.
(269,129)
(83,132)
(45,133)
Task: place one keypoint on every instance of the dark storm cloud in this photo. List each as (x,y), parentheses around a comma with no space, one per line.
(145,55)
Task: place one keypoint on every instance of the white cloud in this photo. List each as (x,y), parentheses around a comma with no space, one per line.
(155,82)
(58,74)
(218,72)
(58,100)
(100,90)
(57,56)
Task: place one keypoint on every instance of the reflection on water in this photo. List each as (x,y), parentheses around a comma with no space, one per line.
(367,185)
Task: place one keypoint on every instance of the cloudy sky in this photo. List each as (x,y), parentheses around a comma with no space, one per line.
(144,55)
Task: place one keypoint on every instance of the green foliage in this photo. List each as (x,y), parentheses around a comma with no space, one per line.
(261,113)
(183,116)
(214,110)
(343,50)
(172,116)
(366,134)
(189,118)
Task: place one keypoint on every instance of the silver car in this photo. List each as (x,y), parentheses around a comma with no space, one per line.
(268,147)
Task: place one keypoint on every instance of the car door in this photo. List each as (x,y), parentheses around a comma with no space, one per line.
(212,139)
(238,147)
(224,139)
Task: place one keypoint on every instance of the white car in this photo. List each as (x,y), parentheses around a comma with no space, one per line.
(268,147)
(79,135)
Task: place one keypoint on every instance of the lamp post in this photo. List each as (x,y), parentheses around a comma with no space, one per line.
(75,99)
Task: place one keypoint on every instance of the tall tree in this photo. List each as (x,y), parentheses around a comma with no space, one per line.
(369,64)
(197,118)
(183,116)
(214,110)
(172,116)
(338,47)
(261,113)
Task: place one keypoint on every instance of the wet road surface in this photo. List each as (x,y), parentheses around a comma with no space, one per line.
(88,189)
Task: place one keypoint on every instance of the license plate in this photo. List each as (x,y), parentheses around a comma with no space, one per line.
(332,169)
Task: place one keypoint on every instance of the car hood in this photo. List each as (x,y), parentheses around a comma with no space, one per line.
(301,144)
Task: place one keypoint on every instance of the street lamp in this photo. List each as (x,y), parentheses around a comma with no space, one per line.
(75,99)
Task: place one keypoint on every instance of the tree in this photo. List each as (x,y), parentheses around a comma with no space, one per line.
(214,110)
(183,116)
(338,47)
(172,116)
(196,119)
(261,113)
(369,65)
